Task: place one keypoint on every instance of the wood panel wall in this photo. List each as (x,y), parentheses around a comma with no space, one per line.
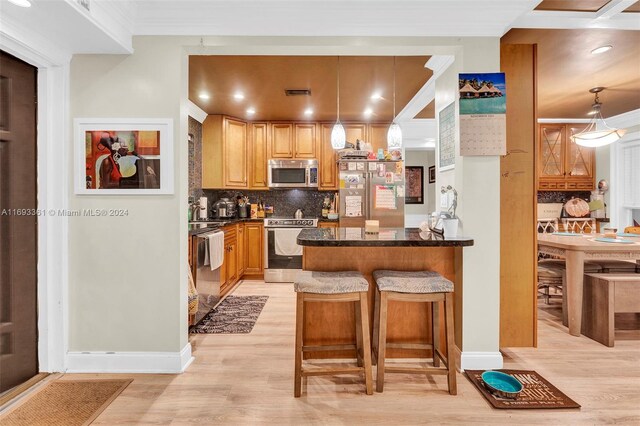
(518,245)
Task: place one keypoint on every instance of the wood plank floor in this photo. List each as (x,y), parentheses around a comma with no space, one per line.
(248,379)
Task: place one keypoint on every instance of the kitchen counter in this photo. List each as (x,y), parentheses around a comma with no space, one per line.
(387,237)
(350,249)
(210,225)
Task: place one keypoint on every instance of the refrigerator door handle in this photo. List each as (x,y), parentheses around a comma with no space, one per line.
(369,195)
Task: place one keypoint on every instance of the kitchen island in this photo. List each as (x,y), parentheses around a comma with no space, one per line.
(349,249)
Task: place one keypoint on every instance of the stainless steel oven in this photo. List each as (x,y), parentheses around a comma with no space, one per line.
(293,173)
(282,254)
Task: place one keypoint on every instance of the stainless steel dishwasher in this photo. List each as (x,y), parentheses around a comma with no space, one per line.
(207,280)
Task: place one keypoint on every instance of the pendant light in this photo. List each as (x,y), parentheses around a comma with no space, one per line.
(338,135)
(394,134)
(597,133)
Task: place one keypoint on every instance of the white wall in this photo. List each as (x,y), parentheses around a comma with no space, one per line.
(416,213)
(477,180)
(126,274)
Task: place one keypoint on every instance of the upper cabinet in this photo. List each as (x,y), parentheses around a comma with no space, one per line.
(378,136)
(563,164)
(328,160)
(258,146)
(281,140)
(293,140)
(224,152)
(305,140)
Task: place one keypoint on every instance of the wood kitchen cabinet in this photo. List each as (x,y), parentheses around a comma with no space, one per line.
(563,164)
(229,268)
(328,166)
(224,153)
(281,140)
(293,140)
(378,136)
(254,248)
(305,140)
(241,249)
(258,154)
(355,131)
(333,225)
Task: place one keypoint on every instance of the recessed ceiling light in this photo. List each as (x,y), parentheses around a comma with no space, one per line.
(367,112)
(376,96)
(308,111)
(251,111)
(21,3)
(602,49)
(204,96)
(238,96)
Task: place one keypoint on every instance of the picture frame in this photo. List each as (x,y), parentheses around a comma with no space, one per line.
(432,174)
(414,181)
(123,156)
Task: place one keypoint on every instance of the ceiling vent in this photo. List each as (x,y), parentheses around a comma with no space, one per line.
(297,92)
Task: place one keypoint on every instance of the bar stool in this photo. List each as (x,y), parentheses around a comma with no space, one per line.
(343,286)
(418,286)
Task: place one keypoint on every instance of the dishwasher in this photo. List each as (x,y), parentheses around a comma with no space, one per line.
(207,280)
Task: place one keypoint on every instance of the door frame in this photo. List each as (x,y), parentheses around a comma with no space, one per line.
(52,193)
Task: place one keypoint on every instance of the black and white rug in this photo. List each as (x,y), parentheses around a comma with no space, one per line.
(235,315)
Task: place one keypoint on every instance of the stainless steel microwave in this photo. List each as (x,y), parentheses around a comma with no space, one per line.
(293,173)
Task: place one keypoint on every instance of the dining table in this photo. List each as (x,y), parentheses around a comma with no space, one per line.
(578,248)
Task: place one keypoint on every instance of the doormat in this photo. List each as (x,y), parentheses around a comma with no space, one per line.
(537,392)
(66,403)
(235,315)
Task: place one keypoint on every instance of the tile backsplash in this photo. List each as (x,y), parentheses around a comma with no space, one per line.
(285,202)
(561,196)
(195,158)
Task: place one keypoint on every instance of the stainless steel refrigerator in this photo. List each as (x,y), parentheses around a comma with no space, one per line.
(371,190)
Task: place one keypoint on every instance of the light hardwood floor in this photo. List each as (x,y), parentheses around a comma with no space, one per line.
(248,379)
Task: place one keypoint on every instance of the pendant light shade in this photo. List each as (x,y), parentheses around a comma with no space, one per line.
(597,133)
(338,135)
(394,134)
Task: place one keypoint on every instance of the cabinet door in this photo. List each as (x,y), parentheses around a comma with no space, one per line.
(355,131)
(254,233)
(281,140)
(378,136)
(328,160)
(328,225)
(579,158)
(551,156)
(232,267)
(305,140)
(258,154)
(241,250)
(235,154)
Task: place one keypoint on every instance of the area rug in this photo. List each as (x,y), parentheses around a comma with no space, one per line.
(537,392)
(235,315)
(66,403)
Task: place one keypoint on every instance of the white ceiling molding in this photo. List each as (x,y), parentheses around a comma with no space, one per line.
(438,64)
(114,18)
(15,38)
(417,133)
(624,120)
(328,17)
(563,120)
(613,8)
(196,112)
(576,20)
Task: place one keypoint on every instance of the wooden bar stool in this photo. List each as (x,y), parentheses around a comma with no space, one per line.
(347,286)
(418,286)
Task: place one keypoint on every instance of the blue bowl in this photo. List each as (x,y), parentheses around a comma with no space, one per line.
(502,384)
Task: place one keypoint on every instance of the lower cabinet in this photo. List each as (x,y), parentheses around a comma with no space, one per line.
(229,268)
(328,224)
(242,254)
(254,248)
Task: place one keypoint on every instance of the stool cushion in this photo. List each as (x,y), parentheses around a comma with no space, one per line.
(617,265)
(544,272)
(330,282)
(589,267)
(412,282)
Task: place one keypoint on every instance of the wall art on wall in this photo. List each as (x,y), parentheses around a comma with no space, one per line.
(123,156)
(414,178)
(447,137)
(432,174)
(483,108)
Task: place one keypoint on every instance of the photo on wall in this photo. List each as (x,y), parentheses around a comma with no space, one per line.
(414,179)
(123,156)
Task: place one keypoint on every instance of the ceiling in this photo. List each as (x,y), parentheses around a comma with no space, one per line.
(567,70)
(263,79)
(581,5)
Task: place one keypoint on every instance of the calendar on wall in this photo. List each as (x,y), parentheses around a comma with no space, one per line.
(447,137)
(483,108)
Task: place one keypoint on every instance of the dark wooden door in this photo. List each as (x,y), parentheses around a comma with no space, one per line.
(18,223)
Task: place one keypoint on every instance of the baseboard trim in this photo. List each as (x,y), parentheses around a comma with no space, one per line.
(480,360)
(130,362)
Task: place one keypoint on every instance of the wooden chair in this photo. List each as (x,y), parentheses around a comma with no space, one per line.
(419,286)
(347,286)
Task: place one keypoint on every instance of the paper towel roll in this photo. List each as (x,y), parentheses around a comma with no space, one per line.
(203,208)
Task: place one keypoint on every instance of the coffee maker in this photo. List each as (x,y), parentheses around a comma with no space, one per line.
(224,208)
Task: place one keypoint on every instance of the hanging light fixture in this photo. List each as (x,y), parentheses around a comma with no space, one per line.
(338,135)
(597,133)
(394,134)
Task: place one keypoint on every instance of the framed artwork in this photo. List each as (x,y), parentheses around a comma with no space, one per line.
(432,174)
(414,180)
(123,156)
(447,137)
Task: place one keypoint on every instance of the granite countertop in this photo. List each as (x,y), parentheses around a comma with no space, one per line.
(210,225)
(388,237)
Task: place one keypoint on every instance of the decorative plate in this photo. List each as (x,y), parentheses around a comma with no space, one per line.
(576,207)
(626,234)
(567,234)
(613,240)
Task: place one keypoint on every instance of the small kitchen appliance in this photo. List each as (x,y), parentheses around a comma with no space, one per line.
(224,208)
(292,173)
